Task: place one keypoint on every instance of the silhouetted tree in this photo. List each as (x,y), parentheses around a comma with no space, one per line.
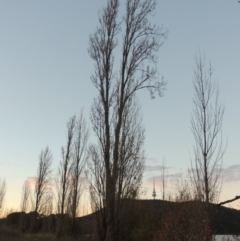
(79,158)
(3,188)
(26,197)
(63,177)
(47,203)
(206,126)
(140,42)
(43,179)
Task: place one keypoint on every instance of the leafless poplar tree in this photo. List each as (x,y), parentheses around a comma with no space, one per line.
(79,158)
(26,197)
(43,179)
(141,40)
(3,188)
(206,126)
(64,169)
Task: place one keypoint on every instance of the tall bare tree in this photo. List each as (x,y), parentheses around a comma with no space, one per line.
(3,188)
(26,197)
(79,159)
(137,70)
(206,126)
(43,179)
(63,177)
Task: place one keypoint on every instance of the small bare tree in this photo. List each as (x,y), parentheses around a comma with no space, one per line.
(183,191)
(26,197)
(206,126)
(3,188)
(43,179)
(137,70)
(47,203)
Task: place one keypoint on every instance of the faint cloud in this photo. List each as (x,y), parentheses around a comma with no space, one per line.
(150,168)
(169,178)
(231,173)
(176,175)
(151,159)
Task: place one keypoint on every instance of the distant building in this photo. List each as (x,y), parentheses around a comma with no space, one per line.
(224,238)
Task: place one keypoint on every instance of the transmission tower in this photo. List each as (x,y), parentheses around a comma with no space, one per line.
(154,191)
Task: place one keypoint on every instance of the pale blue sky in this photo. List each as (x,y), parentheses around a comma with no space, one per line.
(45,78)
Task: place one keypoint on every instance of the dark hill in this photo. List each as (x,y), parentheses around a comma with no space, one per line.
(223,220)
(144,219)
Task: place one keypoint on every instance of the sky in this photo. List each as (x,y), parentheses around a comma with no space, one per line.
(45,74)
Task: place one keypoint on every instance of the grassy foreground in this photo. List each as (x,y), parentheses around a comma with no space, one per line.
(8,234)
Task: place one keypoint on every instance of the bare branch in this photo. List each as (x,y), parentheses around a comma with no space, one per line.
(229,201)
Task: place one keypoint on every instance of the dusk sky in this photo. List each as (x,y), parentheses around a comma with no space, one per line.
(45,74)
